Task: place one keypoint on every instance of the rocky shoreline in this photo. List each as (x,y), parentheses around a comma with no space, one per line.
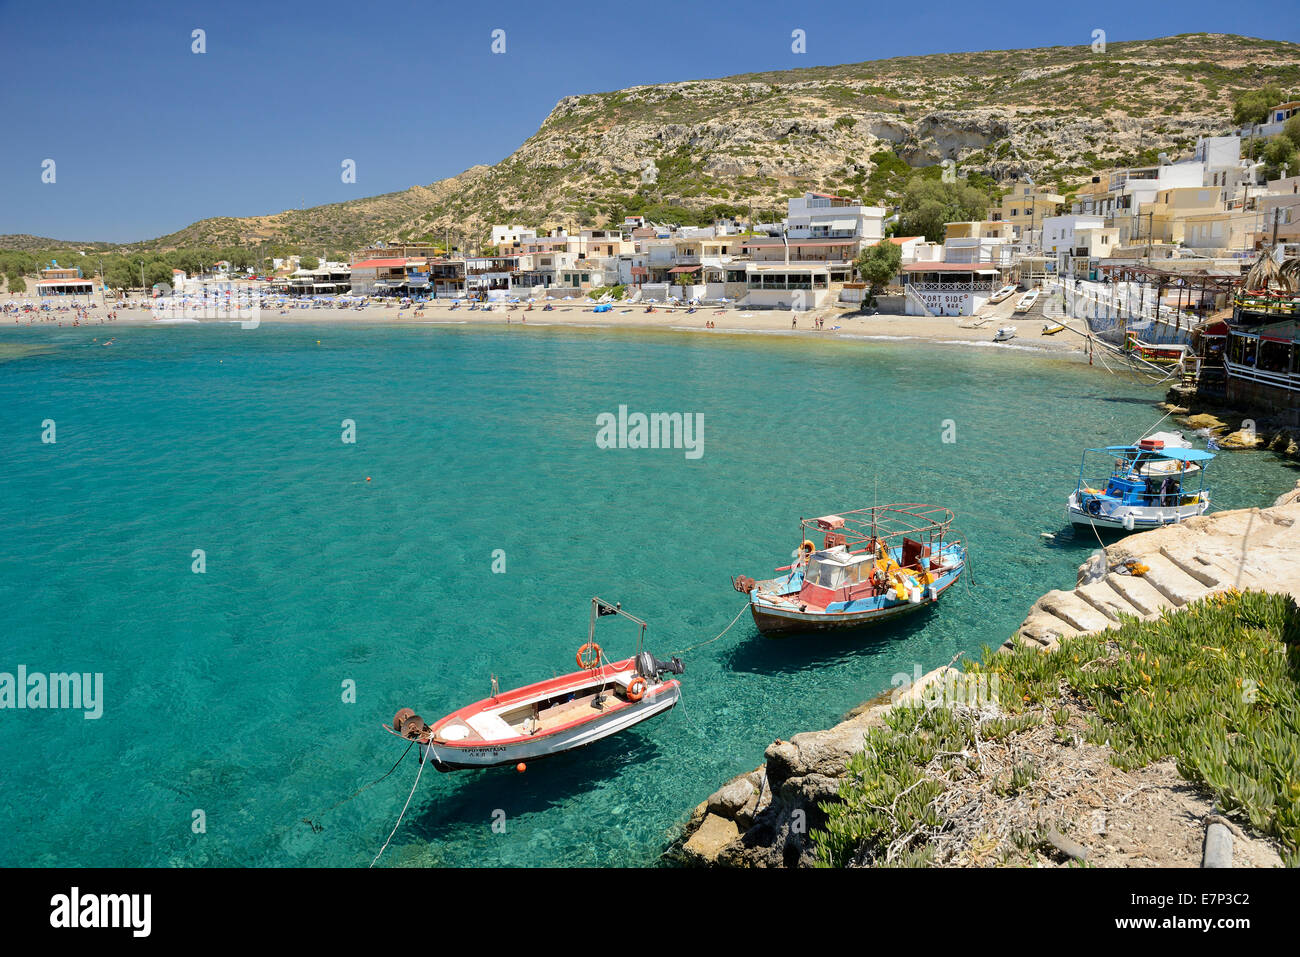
(763,818)
(1233,429)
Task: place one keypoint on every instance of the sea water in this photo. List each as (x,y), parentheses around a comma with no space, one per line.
(260,595)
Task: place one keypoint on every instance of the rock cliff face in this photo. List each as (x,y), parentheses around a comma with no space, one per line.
(1055,114)
(762,819)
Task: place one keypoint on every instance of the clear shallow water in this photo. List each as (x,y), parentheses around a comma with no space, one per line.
(223,690)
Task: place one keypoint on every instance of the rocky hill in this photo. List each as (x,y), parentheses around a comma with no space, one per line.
(694,149)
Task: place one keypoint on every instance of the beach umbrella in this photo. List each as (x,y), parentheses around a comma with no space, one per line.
(1289,273)
(1263,273)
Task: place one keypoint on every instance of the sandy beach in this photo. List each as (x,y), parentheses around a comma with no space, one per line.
(843,322)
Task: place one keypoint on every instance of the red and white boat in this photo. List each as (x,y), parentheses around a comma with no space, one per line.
(553,716)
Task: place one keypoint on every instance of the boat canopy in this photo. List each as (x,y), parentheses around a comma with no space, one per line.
(1182,455)
(836,567)
(829,522)
(1187,455)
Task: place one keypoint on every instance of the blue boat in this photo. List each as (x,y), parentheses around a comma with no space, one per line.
(1148,485)
(874,564)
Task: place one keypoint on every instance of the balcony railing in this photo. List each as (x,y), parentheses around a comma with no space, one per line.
(1282,380)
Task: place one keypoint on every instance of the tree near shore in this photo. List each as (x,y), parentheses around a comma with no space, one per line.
(878,265)
(1253,105)
(928,204)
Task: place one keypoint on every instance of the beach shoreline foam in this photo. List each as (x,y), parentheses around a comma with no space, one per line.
(839,323)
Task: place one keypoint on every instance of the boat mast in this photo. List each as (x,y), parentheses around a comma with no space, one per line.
(600,607)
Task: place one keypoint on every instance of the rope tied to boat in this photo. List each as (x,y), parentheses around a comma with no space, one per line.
(402,815)
(717,636)
(310,822)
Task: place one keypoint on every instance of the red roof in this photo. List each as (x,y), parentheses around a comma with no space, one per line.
(379,262)
(685,269)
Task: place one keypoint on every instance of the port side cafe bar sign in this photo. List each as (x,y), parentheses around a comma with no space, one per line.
(949,303)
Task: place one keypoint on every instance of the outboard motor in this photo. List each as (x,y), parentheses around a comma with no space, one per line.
(650,667)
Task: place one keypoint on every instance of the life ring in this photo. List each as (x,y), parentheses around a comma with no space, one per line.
(806,546)
(593,662)
(1093,507)
(636,688)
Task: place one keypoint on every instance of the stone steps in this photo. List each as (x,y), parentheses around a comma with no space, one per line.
(1197,567)
(1101,596)
(1074,611)
(1139,593)
(1171,581)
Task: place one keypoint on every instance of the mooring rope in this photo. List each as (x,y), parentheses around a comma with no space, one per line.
(715,637)
(312,823)
(402,815)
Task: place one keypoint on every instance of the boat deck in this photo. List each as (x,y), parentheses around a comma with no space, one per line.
(490,725)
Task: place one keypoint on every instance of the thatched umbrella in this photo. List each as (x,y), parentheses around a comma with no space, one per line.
(1289,274)
(1263,273)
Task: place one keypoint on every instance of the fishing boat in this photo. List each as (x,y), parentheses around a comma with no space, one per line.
(553,716)
(1161,353)
(1004,293)
(1150,484)
(1026,302)
(874,564)
(1052,328)
(1004,334)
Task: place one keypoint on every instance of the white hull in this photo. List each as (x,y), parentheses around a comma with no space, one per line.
(489,754)
(1131,518)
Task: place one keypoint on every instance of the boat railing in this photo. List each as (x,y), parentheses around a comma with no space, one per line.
(930,524)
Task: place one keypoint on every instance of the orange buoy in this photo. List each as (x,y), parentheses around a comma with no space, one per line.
(521,767)
(636,688)
(367,478)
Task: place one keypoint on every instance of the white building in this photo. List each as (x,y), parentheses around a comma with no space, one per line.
(823,216)
(511,235)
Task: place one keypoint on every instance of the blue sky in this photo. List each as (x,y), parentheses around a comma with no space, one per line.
(148,136)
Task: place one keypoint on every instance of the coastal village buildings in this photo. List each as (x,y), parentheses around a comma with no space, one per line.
(59,280)
(1025,206)
(1077,243)
(1205,211)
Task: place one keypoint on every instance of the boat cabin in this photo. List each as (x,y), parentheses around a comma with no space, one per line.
(1153,477)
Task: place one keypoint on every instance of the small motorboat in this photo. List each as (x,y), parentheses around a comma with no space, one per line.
(1160,353)
(1004,293)
(874,564)
(1150,484)
(1052,328)
(1004,334)
(553,716)
(1026,302)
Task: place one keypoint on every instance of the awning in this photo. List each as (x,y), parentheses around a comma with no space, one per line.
(684,269)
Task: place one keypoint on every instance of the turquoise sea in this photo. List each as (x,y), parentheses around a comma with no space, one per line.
(330,563)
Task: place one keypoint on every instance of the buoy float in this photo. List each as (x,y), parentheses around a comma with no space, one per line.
(521,767)
(636,689)
(367,478)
